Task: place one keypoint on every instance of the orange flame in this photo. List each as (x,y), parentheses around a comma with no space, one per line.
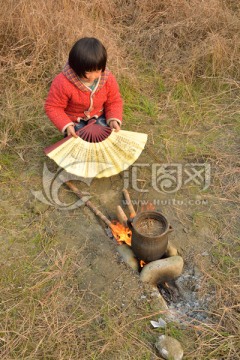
(121,233)
(142,263)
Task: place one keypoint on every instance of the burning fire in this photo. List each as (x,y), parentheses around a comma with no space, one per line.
(121,233)
(142,263)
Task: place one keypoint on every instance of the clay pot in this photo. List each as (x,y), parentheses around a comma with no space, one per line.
(150,231)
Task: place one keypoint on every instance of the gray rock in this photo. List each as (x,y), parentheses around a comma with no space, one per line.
(128,256)
(169,348)
(159,324)
(162,270)
(171,250)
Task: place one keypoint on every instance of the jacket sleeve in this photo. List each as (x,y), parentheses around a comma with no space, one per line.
(56,103)
(114,104)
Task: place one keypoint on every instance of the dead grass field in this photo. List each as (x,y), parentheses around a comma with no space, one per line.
(177,64)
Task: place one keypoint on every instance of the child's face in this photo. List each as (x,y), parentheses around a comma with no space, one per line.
(92,75)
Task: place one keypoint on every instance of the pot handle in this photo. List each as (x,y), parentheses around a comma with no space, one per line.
(170,229)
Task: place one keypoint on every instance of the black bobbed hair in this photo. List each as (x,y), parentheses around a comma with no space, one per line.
(87,54)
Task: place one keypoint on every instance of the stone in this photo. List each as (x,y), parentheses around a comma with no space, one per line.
(159,324)
(162,270)
(128,256)
(171,250)
(169,348)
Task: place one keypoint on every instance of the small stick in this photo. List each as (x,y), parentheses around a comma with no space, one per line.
(129,203)
(89,204)
(122,217)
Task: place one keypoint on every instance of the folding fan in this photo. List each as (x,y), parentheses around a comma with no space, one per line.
(98,151)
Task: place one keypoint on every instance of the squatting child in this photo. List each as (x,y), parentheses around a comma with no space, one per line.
(85,89)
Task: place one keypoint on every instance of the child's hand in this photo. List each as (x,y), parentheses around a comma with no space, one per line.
(71,131)
(114,125)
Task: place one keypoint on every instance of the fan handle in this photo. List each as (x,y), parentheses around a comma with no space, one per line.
(90,123)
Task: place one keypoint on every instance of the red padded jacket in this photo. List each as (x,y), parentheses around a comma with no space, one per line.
(70,101)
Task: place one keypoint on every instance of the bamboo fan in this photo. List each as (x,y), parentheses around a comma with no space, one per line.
(97,157)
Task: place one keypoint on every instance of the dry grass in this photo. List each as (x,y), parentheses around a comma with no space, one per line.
(178,38)
(189,43)
(219,338)
(46,315)
(196,38)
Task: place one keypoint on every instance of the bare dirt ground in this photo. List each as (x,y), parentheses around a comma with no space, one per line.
(65,260)
(71,247)
(64,288)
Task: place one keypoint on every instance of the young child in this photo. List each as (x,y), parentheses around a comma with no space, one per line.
(85,89)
